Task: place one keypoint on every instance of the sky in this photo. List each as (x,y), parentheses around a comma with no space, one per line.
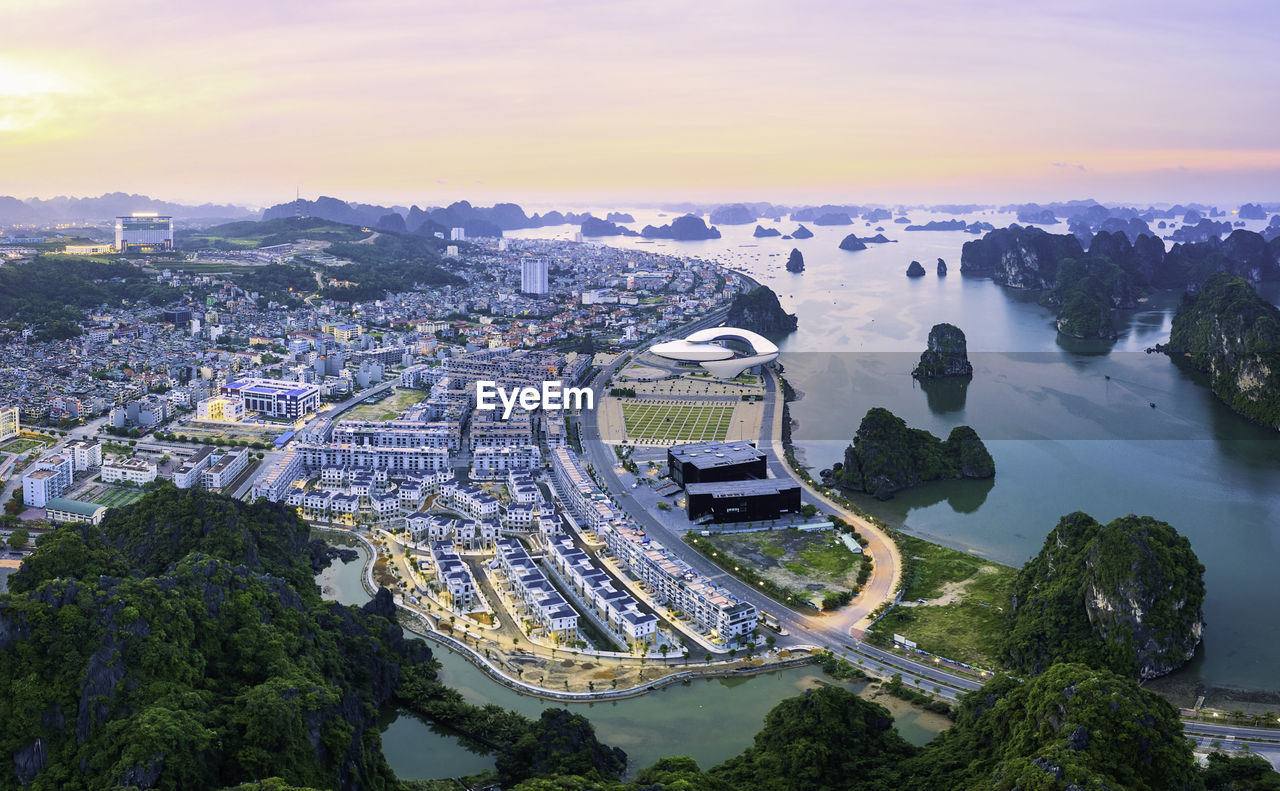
(405,101)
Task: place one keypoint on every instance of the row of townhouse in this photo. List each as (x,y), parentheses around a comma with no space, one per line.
(491,463)
(596,589)
(529,510)
(470,534)
(317,456)
(343,507)
(526,582)
(445,434)
(488,431)
(673,581)
(677,584)
(471,500)
(453,576)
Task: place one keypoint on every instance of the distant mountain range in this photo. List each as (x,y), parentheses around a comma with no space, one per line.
(476,220)
(112,204)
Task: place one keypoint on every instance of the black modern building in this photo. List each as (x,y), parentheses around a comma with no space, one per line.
(178,317)
(742,501)
(711,462)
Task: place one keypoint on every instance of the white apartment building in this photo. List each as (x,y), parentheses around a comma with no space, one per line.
(223,468)
(317,456)
(48,478)
(273,482)
(135,471)
(85,453)
(188,473)
(399,434)
(490,463)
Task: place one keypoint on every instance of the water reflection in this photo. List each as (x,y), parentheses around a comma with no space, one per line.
(946,395)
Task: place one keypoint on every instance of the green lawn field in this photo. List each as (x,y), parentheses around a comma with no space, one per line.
(689,422)
(114,497)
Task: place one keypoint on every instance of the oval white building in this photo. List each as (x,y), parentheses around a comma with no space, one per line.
(703,347)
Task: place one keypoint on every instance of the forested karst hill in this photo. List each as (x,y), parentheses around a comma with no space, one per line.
(1229,331)
(887,456)
(1124,597)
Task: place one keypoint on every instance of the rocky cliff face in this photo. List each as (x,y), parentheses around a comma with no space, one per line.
(594,226)
(795,263)
(915,269)
(947,354)
(1232,333)
(682,229)
(735,214)
(762,232)
(801,232)
(1124,597)
(758,310)
(1019,257)
(852,242)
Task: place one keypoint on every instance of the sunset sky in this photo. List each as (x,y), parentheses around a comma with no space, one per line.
(543,102)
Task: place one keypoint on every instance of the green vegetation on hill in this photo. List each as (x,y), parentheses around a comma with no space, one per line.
(1084,293)
(280,282)
(1232,333)
(55,289)
(823,739)
(887,456)
(758,310)
(1124,597)
(1071,728)
(184,644)
(250,234)
(392,262)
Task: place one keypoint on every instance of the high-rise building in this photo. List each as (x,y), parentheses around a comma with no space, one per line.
(8,422)
(533,276)
(144,232)
(458,235)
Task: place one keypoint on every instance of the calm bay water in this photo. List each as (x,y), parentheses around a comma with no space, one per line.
(711,720)
(1064,436)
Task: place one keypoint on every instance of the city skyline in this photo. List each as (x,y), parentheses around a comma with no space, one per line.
(390,102)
